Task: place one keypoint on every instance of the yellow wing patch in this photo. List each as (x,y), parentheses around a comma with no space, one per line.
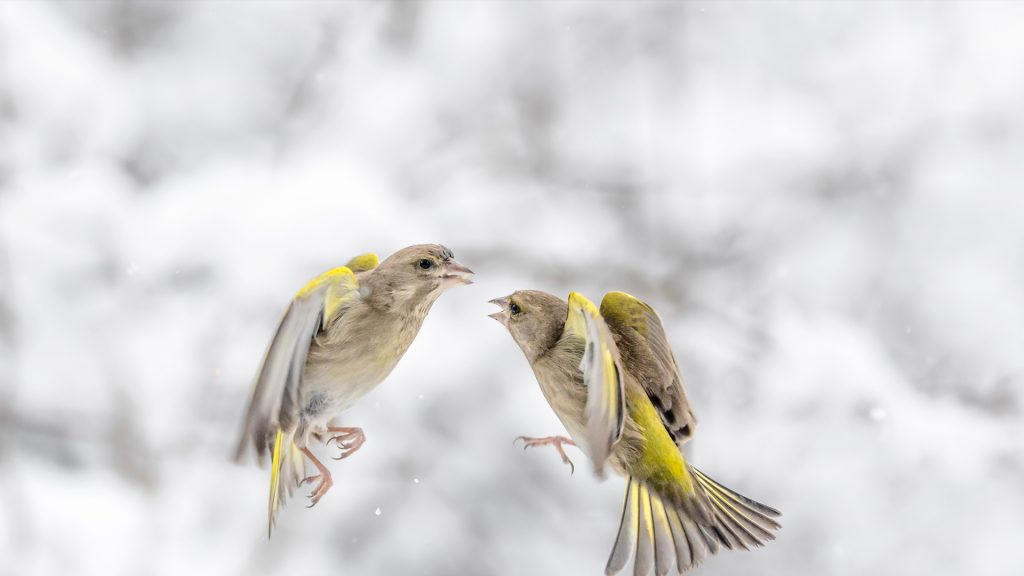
(342,288)
(627,310)
(341,274)
(578,306)
(363,262)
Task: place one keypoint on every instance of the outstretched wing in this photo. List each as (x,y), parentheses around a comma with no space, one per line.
(602,375)
(646,351)
(275,400)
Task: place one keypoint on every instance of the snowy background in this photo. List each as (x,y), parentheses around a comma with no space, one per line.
(825,203)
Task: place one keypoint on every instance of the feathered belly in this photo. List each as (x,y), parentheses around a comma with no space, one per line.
(336,386)
(338,374)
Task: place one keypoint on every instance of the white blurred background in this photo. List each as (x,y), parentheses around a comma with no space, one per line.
(824,201)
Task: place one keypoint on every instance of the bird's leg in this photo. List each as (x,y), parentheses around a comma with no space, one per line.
(556,441)
(324,477)
(348,439)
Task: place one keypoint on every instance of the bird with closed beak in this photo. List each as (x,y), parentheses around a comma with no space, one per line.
(610,376)
(340,337)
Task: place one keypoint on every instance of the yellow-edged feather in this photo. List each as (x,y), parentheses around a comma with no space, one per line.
(363,262)
(340,294)
(658,512)
(578,306)
(646,517)
(275,480)
(342,288)
(601,375)
(341,274)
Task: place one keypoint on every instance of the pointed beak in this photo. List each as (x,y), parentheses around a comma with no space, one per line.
(501,315)
(455,274)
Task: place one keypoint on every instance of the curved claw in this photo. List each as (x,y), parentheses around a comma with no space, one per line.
(316,495)
(324,477)
(556,441)
(348,441)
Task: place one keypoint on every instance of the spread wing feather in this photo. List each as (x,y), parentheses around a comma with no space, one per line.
(645,348)
(275,399)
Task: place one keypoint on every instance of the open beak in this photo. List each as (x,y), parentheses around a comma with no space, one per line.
(455,274)
(501,315)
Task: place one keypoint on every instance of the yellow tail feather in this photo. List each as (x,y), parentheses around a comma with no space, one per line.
(275,481)
(661,534)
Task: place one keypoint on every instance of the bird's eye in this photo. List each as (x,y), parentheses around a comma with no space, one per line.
(514,309)
(425,264)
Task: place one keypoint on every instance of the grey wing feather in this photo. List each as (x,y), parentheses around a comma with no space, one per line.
(276,396)
(674,406)
(628,526)
(602,374)
(645,348)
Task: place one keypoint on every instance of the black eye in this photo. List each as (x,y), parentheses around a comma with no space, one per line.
(425,264)
(514,308)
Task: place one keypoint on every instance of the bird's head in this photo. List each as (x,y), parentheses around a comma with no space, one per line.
(420,273)
(534,319)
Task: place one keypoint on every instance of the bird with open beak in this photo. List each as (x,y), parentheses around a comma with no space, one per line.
(610,376)
(340,337)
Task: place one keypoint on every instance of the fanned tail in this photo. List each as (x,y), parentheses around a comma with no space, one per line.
(739,521)
(662,534)
(665,534)
(286,470)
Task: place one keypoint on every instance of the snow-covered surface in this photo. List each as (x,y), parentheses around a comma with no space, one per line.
(823,201)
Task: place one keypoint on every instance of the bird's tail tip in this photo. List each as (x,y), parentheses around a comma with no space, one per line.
(285,473)
(739,521)
(663,534)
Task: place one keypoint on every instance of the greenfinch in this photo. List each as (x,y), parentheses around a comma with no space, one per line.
(610,376)
(340,337)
